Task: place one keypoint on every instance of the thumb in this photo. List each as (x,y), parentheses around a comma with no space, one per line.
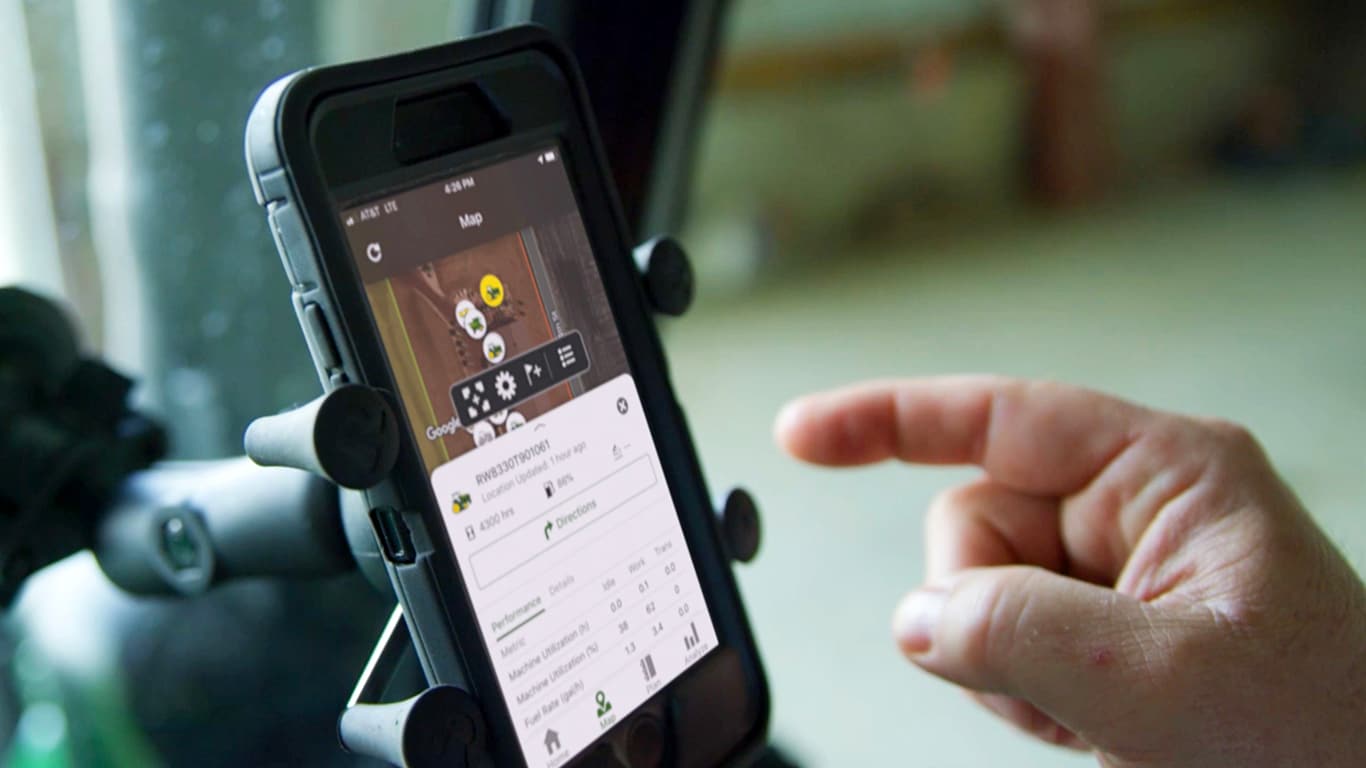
(1080,653)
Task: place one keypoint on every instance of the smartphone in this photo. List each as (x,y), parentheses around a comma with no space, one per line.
(451,237)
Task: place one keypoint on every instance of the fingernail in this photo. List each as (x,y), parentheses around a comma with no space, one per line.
(914,619)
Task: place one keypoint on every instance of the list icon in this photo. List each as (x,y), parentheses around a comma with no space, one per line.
(647,667)
(567,355)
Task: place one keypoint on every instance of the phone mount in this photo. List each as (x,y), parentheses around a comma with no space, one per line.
(665,275)
(88,476)
(350,437)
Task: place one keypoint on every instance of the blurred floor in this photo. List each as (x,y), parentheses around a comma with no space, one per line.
(1242,299)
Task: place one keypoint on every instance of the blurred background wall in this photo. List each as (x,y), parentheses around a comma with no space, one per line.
(1159,199)
(862,120)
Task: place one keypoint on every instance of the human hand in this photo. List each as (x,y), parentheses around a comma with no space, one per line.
(1122,580)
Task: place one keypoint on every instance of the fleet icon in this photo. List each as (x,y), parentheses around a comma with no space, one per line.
(491,290)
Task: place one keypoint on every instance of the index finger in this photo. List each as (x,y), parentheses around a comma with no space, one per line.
(1036,437)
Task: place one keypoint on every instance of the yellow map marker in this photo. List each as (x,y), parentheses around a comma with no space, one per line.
(491,290)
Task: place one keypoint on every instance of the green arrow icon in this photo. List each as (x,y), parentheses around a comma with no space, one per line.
(549,526)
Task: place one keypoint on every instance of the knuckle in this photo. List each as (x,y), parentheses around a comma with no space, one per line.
(944,501)
(1236,451)
(959,495)
(948,506)
(1171,434)
(1233,436)
(990,626)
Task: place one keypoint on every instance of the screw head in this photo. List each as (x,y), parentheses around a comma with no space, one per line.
(180,546)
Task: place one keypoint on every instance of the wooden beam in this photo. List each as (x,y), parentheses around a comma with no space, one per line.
(880,53)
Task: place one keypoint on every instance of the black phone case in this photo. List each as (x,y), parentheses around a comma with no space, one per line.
(705,723)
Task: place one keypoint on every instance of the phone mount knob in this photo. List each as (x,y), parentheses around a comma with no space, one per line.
(666,274)
(441,727)
(738,516)
(349,436)
(645,743)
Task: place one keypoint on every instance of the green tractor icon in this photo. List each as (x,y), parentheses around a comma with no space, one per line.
(459,502)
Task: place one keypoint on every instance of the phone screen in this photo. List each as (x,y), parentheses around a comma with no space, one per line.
(515,383)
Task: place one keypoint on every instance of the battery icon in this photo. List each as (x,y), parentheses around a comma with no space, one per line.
(546,157)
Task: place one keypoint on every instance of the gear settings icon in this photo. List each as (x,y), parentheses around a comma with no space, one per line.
(505,385)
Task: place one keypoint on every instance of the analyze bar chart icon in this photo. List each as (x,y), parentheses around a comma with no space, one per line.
(691,640)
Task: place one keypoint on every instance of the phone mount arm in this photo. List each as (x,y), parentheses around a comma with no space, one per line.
(349,437)
(666,275)
(441,726)
(182,527)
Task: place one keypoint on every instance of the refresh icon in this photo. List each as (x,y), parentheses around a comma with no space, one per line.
(374,253)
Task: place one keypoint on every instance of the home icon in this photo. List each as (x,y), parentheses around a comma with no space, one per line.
(552,742)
